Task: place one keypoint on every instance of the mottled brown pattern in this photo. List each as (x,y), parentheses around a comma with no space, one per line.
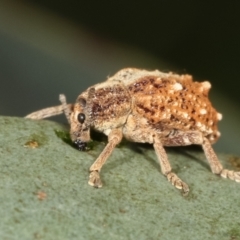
(167,108)
(109,103)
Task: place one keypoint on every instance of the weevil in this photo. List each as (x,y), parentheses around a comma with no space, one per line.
(163,109)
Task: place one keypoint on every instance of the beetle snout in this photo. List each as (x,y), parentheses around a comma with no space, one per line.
(80,145)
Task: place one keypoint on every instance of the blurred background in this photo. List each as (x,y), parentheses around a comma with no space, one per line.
(51,47)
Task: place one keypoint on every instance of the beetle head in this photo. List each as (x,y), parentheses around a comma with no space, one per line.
(80,123)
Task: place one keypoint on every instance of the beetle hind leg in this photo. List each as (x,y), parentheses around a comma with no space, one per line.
(194,137)
(215,165)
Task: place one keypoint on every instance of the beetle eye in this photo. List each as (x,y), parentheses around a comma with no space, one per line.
(81,117)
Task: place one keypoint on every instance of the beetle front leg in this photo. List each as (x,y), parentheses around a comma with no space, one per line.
(166,168)
(114,138)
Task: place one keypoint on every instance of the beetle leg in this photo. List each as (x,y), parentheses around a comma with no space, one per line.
(166,168)
(114,138)
(215,165)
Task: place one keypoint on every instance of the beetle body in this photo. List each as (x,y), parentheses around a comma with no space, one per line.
(145,103)
(163,109)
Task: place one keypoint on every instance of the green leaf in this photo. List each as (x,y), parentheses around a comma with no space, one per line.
(44,192)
